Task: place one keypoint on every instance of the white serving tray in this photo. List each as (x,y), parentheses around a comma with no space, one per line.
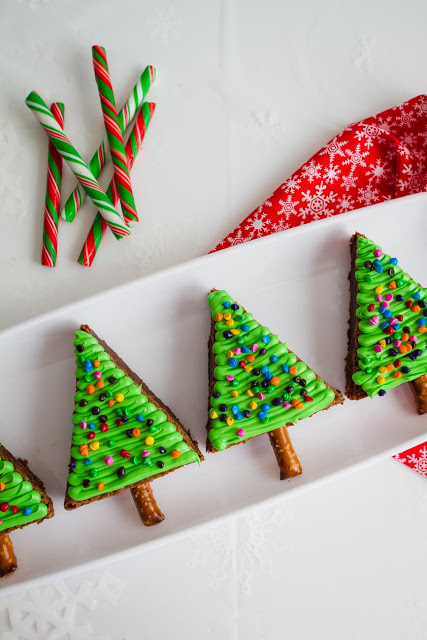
(296,283)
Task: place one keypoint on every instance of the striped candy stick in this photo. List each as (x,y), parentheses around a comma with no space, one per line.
(53,195)
(77,165)
(133,145)
(101,155)
(114,134)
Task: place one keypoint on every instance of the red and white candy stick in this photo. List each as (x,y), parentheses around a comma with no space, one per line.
(133,145)
(53,195)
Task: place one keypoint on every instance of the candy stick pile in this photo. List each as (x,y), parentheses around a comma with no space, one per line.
(113,146)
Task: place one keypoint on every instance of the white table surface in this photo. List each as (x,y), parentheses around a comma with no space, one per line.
(246,91)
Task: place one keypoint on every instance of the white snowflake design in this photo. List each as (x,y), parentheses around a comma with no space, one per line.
(236,239)
(291,185)
(55,611)
(311,171)
(280,226)
(368,195)
(318,203)
(164,24)
(334,148)
(288,207)
(345,204)
(331,173)
(419,462)
(257,224)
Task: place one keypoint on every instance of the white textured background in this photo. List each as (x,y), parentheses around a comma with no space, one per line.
(247,90)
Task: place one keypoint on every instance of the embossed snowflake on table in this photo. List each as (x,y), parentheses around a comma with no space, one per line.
(365,53)
(267,127)
(33,4)
(164,24)
(318,204)
(55,612)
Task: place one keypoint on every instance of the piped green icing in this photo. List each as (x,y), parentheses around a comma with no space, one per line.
(95,441)
(18,494)
(273,364)
(383,360)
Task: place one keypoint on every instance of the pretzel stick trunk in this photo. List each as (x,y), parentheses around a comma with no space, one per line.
(8,561)
(419,391)
(146,504)
(286,457)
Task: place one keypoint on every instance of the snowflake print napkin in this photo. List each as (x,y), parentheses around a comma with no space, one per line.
(376,159)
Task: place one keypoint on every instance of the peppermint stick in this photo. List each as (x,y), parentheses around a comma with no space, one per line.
(53,195)
(77,165)
(133,145)
(101,155)
(114,134)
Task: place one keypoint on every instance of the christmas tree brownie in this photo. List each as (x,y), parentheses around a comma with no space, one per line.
(123,435)
(387,328)
(23,500)
(256,384)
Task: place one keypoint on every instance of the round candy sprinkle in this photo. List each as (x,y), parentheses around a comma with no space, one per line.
(175,453)
(162,450)
(108,460)
(4,506)
(233,362)
(150,422)
(378,348)
(254,348)
(226,305)
(80,348)
(229,379)
(86,483)
(381,392)
(83,403)
(266,339)
(145,453)
(160,464)
(406,370)
(96,411)
(27,511)
(378,253)
(149,440)
(374,320)
(90,389)
(240,433)
(247,414)
(121,472)
(285,368)
(83,425)
(100,486)
(97,375)
(245,328)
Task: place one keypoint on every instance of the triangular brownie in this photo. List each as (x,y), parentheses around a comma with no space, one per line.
(256,384)
(388,325)
(23,500)
(123,435)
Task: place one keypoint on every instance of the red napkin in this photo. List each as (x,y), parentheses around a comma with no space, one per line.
(376,159)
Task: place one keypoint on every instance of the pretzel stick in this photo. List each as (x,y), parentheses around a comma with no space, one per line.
(286,456)
(419,391)
(146,504)
(8,561)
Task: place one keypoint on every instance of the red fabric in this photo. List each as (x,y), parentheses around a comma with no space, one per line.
(376,159)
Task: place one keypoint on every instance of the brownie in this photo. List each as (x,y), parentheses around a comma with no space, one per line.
(339,399)
(69,503)
(21,467)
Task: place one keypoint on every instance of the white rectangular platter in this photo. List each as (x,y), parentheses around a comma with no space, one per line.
(296,283)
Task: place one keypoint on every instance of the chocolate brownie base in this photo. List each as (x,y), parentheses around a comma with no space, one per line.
(69,503)
(21,466)
(352,390)
(339,399)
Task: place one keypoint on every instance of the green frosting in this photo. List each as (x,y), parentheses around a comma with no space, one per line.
(391,309)
(111,423)
(259,384)
(20,496)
